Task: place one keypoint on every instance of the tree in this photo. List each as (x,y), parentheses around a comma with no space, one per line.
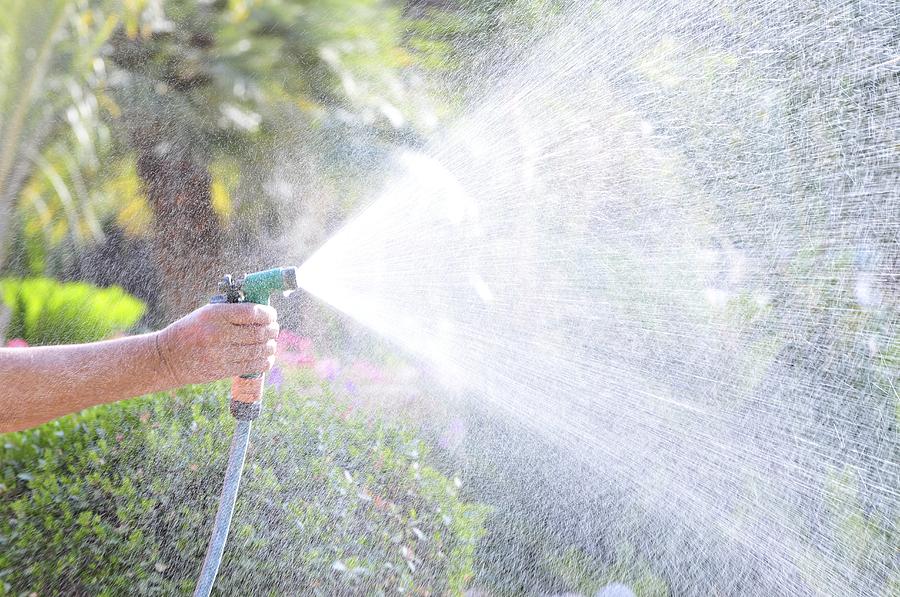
(162,119)
(213,82)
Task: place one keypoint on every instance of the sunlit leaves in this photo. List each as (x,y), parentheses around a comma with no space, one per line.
(124,196)
(119,495)
(225,177)
(48,312)
(49,62)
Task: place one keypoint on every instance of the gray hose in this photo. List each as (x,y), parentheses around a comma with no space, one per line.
(226,509)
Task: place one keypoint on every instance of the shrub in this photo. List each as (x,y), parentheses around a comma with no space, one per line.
(121,499)
(44,311)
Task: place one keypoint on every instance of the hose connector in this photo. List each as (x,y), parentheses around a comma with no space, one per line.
(245,411)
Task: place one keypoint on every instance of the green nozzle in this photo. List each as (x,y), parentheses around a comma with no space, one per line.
(258,286)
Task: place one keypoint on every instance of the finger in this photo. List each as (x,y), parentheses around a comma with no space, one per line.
(253,334)
(244,356)
(261,365)
(271,331)
(248,313)
(267,349)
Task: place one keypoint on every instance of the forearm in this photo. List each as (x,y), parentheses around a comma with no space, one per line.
(42,383)
(213,342)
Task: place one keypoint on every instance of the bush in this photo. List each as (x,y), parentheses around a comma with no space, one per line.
(44,311)
(121,499)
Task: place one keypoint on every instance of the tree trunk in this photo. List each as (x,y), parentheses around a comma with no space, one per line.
(187,237)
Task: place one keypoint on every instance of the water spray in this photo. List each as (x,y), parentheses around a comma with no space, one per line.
(246,405)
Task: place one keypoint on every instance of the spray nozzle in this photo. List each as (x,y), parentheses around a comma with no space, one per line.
(256,287)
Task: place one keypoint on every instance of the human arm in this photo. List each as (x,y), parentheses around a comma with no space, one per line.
(214,342)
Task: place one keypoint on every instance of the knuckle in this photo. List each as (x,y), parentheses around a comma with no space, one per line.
(206,313)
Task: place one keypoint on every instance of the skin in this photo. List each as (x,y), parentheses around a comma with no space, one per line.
(214,342)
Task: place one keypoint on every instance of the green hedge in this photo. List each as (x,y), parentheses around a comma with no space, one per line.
(44,311)
(120,499)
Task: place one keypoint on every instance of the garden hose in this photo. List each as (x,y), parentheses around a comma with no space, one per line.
(226,508)
(246,405)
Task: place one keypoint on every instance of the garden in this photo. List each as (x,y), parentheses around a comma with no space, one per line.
(596,299)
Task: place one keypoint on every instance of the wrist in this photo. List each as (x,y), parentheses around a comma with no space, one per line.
(164,359)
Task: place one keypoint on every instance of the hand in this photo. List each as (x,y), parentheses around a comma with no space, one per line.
(218,341)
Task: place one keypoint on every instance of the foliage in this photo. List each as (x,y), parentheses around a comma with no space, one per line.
(121,498)
(515,558)
(589,574)
(83,82)
(242,81)
(49,69)
(45,311)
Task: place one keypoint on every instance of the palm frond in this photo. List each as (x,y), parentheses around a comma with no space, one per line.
(48,64)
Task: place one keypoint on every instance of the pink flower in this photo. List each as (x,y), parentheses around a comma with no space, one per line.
(291,341)
(17,343)
(328,368)
(294,350)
